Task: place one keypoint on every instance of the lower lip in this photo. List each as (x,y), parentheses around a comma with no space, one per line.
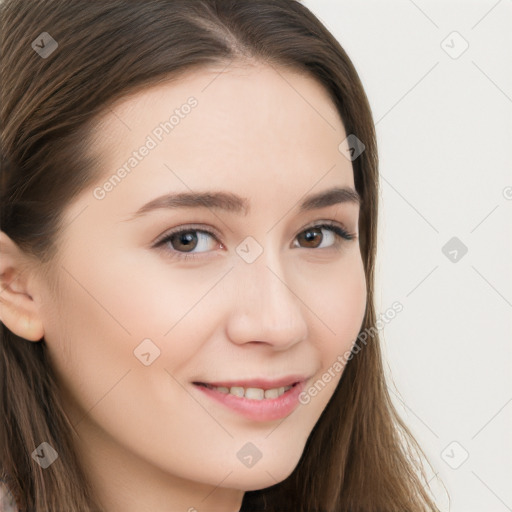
(268,409)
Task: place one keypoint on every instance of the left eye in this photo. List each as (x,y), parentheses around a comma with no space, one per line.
(187,243)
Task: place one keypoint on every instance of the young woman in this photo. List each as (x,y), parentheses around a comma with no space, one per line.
(188,238)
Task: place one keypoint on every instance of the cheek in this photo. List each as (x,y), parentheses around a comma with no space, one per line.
(148,294)
(89,350)
(340,305)
(103,313)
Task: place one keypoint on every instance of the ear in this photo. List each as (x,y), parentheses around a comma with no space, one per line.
(19,311)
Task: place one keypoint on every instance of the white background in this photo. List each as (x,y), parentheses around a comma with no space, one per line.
(444,129)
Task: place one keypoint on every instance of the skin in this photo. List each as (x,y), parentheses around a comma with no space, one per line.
(150,440)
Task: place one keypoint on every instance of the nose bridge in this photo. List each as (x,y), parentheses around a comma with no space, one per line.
(266,308)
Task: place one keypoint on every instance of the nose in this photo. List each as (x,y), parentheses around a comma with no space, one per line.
(265,308)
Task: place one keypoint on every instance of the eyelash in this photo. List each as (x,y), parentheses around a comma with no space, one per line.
(335,228)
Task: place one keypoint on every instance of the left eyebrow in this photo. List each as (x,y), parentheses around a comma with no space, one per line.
(233,203)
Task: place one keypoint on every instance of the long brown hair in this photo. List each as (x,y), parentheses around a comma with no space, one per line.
(360,455)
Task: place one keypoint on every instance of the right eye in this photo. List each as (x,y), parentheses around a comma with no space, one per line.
(183,242)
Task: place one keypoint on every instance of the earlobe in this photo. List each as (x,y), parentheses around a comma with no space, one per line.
(20,322)
(18,309)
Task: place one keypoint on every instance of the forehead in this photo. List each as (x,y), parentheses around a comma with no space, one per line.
(238,108)
(243,128)
(232,85)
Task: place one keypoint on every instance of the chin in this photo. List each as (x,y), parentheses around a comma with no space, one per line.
(256,478)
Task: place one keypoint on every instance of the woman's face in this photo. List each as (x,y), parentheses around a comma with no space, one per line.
(250,291)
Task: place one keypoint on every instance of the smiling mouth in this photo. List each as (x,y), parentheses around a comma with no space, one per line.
(251,393)
(257,399)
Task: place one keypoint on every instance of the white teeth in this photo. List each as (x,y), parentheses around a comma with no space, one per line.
(237,391)
(252,393)
(272,393)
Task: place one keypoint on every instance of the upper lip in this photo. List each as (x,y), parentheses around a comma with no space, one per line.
(261,383)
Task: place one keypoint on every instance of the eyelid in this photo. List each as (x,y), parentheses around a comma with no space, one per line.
(186,227)
(212,231)
(334,223)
